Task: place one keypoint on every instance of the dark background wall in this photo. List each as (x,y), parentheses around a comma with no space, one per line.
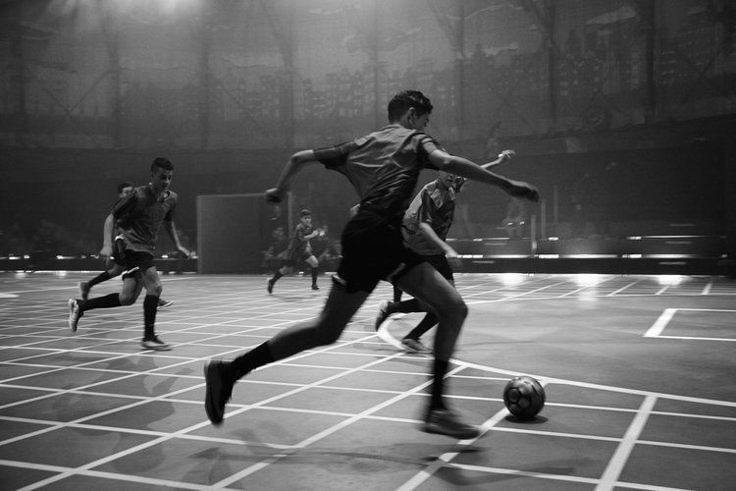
(622,111)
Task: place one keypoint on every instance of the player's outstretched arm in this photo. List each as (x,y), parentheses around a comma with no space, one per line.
(503,157)
(466,168)
(295,164)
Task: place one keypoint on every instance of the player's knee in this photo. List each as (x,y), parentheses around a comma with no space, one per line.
(155,290)
(455,309)
(127,298)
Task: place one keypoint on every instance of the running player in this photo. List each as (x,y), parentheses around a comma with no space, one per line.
(383,166)
(300,249)
(427,222)
(110,231)
(139,216)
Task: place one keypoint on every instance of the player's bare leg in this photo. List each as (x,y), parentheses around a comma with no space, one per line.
(326,329)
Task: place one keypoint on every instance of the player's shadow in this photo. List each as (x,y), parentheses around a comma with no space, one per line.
(536,420)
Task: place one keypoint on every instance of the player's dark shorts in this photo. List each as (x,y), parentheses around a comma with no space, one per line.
(137,262)
(118,251)
(296,258)
(440,263)
(373,250)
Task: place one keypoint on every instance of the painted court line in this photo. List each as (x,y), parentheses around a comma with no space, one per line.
(616,465)
(613,469)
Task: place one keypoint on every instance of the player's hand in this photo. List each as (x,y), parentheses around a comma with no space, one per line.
(506,155)
(274,195)
(524,190)
(106,252)
(453,258)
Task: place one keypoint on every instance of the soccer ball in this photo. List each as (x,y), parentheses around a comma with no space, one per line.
(524,397)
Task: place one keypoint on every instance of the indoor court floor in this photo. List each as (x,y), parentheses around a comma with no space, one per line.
(638,372)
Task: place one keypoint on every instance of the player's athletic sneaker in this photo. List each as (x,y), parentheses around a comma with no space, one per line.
(414,346)
(445,422)
(382,314)
(74,314)
(154,343)
(269,286)
(218,389)
(314,286)
(84,289)
(162,304)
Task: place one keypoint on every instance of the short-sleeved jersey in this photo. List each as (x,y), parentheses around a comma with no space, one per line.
(140,214)
(383,167)
(434,206)
(299,246)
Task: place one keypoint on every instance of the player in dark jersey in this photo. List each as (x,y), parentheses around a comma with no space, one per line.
(427,222)
(139,216)
(114,268)
(383,166)
(300,249)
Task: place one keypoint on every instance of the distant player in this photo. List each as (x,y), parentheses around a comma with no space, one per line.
(110,231)
(139,216)
(427,222)
(300,249)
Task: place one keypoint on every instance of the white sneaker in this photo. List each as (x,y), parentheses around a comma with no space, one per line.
(74,314)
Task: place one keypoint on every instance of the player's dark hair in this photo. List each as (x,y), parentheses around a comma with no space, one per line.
(305,213)
(161,163)
(406,99)
(123,185)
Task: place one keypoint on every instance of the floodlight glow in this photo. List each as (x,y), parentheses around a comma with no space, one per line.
(512,279)
(670,279)
(587,280)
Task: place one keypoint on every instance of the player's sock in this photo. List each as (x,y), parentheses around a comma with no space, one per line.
(397,294)
(315,272)
(104,276)
(407,306)
(429,321)
(438,384)
(257,357)
(150,307)
(276,277)
(106,302)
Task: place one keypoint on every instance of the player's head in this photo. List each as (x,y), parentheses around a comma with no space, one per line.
(451,181)
(124,189)
(162,171)
(411,109)
(305,216)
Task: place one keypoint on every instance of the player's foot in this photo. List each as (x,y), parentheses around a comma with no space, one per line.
(162,304)
(74,314)
(154,343)
(84,289)
(218,390)
(414,346)
(445,422)
(382,314)
(314,286)
(269,286)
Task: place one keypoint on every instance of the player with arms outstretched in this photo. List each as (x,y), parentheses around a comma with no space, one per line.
(300,249)
(427,222)
(384,167)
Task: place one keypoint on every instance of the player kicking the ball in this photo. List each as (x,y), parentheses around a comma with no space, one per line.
(384,167)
